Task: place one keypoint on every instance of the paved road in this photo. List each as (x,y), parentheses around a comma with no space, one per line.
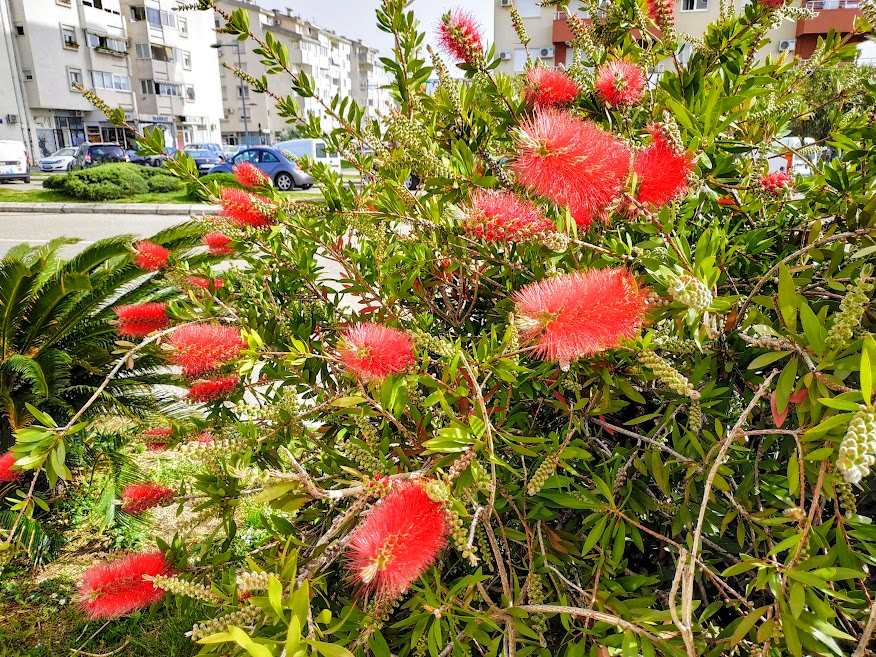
(18,228)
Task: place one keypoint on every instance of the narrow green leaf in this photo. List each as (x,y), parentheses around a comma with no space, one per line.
(868,359)
(788,299)
(797,599)
(746,625)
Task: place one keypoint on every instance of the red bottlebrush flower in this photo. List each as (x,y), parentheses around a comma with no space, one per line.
(159,432)
(397,541)
(503,216)
(205,282)
(775,183)
(546,87)
(460,37)
(580,314)
(199,348)
(150,256)
(662,173)
(572,162)
(772,4)
(141,319)
(662,12)
(373,351)
(245,209)
(209,390)
(156,447)
(205,438)
(137,498)
(118,587)
(619,83)
(249,175)
(218,244)
(7,474)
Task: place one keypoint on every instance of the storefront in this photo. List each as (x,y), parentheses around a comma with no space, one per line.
(58,130)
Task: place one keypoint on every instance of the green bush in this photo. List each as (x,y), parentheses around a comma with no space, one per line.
(102,183)
(163,183)
(214,181)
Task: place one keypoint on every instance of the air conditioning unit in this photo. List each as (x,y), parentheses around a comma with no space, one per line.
(787,44)
(12,118)
(505,54)
(275,22)
(545,53)
(506,3)
(229,110)
(77,112)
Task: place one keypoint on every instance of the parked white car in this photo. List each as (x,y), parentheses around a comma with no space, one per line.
(14,161)
(60,160)
(312,148)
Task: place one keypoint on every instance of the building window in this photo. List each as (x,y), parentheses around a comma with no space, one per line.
(168,19)
(190,92)
(107,44)
(68,34)
(694,5)
(224,93)
(154,88)
(243,91)
(97,4)
(64,3)
(138,13)
(187,60)
(19,30)
(75,77)
(114,81)
(183,26)
(27,74)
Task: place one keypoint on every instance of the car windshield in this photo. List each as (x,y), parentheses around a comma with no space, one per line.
(106,150)
(196,152)
(64,152)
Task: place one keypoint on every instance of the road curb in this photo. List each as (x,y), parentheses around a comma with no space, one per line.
(108,208)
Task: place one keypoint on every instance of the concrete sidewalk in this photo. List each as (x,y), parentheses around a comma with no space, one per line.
(109,208)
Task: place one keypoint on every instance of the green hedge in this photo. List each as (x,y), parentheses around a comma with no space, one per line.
(112,181)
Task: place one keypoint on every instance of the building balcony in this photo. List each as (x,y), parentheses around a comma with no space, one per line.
(562,32)
(838,15)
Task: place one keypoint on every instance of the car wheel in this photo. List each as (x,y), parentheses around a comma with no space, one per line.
(27,179)
(412,182)
(156,163)
(307,186)
(284,182)
(70,167)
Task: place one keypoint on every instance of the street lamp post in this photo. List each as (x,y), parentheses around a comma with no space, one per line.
(236,45)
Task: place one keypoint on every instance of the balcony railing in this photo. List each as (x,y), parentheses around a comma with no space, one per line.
(827,5)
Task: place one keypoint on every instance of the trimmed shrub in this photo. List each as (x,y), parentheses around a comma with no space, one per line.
(163,183)
(102,183)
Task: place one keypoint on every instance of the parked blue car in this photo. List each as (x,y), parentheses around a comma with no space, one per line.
(285,173)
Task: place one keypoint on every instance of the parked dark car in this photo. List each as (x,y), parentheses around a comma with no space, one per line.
(207,161)
(91,155)
(285,173)
(146,160)
(213,148)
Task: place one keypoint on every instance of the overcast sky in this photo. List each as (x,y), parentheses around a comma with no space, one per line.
(355,18)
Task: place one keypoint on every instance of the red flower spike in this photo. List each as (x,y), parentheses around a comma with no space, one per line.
(662,12)
(619,83)
(218,244)
(159,432)
(199,348)
(546,87)
(571,162)
(139,320)
(156,447)
(772,4)
(205,282)
(112,589)
(137,498)
(662,173)
(397,541)
(461,37)
(249,175)
(775,183)
(245,209)
(580,314)
(502,216)
(7,474)
(209,390)
(371,352)
(150,256)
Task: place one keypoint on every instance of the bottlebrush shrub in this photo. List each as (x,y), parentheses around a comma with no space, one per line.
(591,414)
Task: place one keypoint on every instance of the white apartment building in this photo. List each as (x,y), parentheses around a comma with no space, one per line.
(549,31)
(337,65)
(176,73)
(138,55)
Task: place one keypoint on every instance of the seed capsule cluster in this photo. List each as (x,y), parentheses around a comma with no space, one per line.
(851,311)
(182,587)
(858,449)
(249,615)
(691,292)
(665,372)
